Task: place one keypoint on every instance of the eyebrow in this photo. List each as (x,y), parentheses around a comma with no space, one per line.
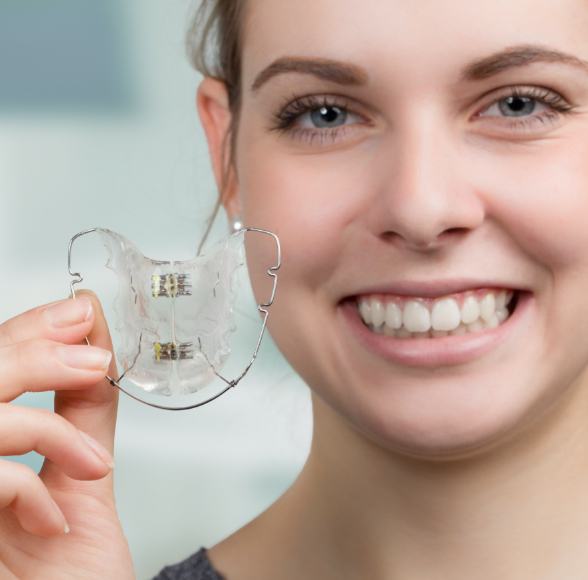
(327,69)
(516,57)
(344,73)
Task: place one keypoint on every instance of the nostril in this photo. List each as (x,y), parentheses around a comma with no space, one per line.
(410,243)
(452,233)
(431,243)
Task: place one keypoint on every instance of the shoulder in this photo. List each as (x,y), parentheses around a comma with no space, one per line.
(196,567)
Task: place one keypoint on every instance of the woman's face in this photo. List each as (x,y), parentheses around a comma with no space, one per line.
(411,151)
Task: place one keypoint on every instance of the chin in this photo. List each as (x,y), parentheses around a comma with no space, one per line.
(447,418)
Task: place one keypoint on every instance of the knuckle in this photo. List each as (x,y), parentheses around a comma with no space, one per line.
(19,354)
(23,365)
(22,475)
(34,348)
(22,424)
(46,421)
(14,329)
(26,415)
(7,335)
(42,417)
(22,354)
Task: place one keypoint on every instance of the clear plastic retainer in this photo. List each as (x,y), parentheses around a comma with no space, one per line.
(175,318)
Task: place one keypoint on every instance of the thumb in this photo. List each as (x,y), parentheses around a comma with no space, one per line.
(93,409)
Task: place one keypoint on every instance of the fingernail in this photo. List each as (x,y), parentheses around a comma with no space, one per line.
(85,357)
(69,312)
(98,449)
(60,516)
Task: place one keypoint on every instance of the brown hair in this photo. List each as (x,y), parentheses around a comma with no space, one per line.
(213,44)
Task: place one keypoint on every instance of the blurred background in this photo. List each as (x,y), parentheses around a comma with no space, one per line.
(98,127)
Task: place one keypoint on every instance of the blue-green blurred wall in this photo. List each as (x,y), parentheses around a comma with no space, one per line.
(98,127)
(64,55)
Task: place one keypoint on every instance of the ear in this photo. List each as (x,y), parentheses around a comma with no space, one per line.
(212,102)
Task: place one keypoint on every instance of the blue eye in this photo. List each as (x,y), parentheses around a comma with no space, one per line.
(321,119)
(317,119)
(517,106)
(311,113)
(534,103)
(327,117)
(514,106)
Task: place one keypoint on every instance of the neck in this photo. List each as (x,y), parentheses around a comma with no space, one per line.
(516,510)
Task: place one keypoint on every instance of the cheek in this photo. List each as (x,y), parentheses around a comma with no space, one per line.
(308,200)
(537,198)
(541,200)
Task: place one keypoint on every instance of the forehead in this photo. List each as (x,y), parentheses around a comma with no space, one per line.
(427,35)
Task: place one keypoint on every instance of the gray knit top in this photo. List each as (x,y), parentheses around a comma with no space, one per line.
(196,567)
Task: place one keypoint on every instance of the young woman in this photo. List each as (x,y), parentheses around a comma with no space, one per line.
(424,164)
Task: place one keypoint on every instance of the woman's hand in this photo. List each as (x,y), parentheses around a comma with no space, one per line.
(42,350)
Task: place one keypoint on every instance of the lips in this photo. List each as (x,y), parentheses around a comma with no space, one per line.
(437,288)
(433,352)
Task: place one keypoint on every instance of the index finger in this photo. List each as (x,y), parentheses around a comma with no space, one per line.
(67,321)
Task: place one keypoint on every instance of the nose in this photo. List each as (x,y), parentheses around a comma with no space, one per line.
(425,198)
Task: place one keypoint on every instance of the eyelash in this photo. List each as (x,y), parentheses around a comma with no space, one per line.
(284,119)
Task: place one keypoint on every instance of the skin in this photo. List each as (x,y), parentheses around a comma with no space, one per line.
(477,470)
(32,539)
(468,471)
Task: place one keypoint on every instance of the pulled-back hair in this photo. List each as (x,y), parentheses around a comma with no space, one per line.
(213,44)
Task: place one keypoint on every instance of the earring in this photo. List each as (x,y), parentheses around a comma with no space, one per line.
(236,224)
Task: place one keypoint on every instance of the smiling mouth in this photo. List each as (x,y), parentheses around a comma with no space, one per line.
(467,312)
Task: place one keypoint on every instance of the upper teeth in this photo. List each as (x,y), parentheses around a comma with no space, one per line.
(444,314)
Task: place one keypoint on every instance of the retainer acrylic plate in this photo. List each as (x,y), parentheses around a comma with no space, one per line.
(174,319)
